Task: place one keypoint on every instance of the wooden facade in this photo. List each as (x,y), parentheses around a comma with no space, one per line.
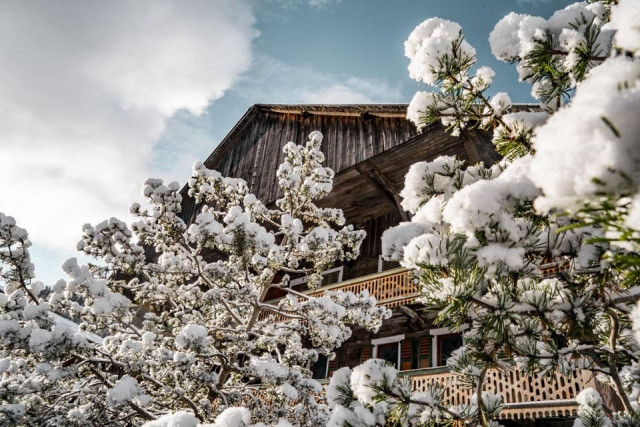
(371,147)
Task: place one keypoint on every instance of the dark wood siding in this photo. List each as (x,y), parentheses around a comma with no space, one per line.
(257,152)
(253,149)
(417,342)
(370,250)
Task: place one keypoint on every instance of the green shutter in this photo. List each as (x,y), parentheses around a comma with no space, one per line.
(406,354)
(365,353)
(334,364)
(424,352)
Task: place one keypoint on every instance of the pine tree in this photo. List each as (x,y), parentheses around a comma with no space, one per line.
(537,254)
(184,334)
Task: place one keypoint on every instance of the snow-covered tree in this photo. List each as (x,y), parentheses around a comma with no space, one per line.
(539,255)
(171,325)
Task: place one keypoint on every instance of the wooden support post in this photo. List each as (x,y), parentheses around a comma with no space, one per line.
(415,321)
(384,183)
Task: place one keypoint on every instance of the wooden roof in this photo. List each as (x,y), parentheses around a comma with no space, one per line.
(370,147)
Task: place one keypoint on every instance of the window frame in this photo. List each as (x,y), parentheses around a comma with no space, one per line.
(435,342)
(388,340)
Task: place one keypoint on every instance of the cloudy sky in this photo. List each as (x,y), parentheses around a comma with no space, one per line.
(98,95)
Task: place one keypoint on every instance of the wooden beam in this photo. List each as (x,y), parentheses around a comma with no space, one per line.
(480,148)
(472,152)
(388,197)
(415,321)
(388,187)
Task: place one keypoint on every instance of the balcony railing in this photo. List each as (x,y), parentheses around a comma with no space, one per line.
(390,288)
(524,396)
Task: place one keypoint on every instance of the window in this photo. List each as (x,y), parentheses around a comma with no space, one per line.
(320,367)
(447,344)
(388,348)
(444,342)
(389,352)
(403,353)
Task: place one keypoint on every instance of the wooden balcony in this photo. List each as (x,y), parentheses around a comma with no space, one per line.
(524,396)
(390,288)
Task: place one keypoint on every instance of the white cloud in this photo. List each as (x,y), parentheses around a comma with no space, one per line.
(322,3)
(352,90)
(290,4)
(334,94)
(272,81)
(269,81)
(86,88)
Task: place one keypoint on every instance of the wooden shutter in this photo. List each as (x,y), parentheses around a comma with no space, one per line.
(334,364)
(365,353)
(406,355)
(424,352)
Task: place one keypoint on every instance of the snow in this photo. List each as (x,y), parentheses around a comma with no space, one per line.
(341,416)
(339,380)
(510,38)
(428,44)
(316,136)
(516,35)
(486,204)
(184,301)
(624,18)
(13,410)
(395,239)
(495,253)
(500,103)
(419,105)
(633,219)
(268,368)
(233,417)
(39,339)
(288,391)
(429,249)
(176,419)
(371,373)
(590,407)
(483,78)
(592,159)
(524,120)
(427,179)
(125,390)
(4,364)
(191,334)
(72,326)
(635,318)
(31,311)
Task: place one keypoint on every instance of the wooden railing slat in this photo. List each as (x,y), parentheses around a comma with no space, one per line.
(524,395)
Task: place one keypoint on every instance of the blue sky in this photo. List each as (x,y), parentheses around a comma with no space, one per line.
(99,95)
(341,51)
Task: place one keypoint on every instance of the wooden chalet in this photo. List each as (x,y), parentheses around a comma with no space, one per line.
(370,148)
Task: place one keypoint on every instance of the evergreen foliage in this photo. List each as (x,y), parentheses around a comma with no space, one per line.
(184,334)
(536,256)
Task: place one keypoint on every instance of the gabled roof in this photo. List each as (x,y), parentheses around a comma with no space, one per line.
(365,111)
(363,144)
